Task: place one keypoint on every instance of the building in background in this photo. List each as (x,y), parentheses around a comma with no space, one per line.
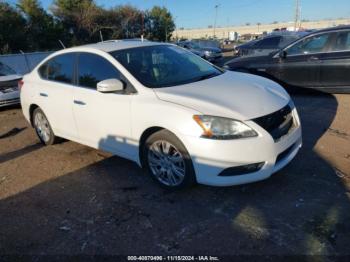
(255,30)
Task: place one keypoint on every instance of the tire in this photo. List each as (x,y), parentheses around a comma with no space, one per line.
(43,128)
(165,158)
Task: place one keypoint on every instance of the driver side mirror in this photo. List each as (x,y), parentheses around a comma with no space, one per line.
(110,86)
(282,54)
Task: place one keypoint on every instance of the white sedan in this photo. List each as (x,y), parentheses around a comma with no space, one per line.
(181,118)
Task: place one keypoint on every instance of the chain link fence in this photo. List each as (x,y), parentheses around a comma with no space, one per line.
(23,63)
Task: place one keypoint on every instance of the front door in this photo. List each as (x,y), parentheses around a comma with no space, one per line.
(103,119)
(302,64)
(300,70)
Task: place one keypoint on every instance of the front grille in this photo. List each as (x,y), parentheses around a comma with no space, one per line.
(278,123)
(285,153)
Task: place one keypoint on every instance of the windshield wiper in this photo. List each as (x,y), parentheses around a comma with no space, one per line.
(208,76)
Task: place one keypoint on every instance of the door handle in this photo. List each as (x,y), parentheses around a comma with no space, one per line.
(43,95)
(79,102)
(314,58)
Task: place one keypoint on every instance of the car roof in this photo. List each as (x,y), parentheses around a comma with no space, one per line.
(330,29)
(114,45)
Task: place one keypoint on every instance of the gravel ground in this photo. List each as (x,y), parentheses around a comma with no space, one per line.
(71,199)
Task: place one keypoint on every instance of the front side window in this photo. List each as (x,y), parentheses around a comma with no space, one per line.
(310,45)
(164,65)
(342,42)
(93,69)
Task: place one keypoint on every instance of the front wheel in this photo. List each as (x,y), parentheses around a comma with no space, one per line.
(167,161)
(43,128)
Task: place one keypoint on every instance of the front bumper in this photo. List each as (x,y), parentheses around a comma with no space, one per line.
(11,98)
(211,157)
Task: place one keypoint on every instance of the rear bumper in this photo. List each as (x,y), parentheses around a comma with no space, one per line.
(7,99)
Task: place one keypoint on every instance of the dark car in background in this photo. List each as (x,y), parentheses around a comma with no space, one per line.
(203,49)
(267,44)
(319,60)
(9,92)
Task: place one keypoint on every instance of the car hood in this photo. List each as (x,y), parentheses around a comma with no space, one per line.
(235,95)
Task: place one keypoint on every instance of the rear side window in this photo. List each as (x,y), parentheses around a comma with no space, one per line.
(59,68)
(271,42)
(342,42)
(93,69)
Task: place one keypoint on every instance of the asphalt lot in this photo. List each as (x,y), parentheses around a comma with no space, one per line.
(71,199)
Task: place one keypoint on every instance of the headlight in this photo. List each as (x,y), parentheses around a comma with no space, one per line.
(223,128)
(207,52)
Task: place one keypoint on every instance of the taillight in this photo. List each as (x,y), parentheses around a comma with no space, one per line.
(20,83)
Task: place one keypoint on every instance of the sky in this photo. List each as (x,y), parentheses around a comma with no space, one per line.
(201,13)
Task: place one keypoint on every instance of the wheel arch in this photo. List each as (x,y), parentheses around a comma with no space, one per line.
(32,107)
(147,133)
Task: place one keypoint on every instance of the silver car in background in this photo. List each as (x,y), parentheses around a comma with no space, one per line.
(202,48)
(9,91)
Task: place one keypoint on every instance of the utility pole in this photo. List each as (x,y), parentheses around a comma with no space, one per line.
(297,14)
(216,16)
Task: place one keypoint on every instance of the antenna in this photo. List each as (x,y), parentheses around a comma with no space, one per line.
(143,25)
(61,44)
(26,59)
(101,36)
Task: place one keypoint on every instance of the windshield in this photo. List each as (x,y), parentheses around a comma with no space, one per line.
(195,46)
(5,70)
(165,65)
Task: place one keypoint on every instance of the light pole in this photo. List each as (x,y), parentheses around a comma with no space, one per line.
(296,14)
(216,15)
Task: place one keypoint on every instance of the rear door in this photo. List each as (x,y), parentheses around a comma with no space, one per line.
(302,65)
(55,93)
(335,71)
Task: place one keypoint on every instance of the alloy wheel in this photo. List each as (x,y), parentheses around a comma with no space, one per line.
(42,126)
(166,163)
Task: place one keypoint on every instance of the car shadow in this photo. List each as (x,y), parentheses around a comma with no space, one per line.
(12,132)
(111,207)
(18,153)
(9,107)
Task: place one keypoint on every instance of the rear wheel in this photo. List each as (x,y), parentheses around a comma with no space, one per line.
(167,161)
(43,128)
